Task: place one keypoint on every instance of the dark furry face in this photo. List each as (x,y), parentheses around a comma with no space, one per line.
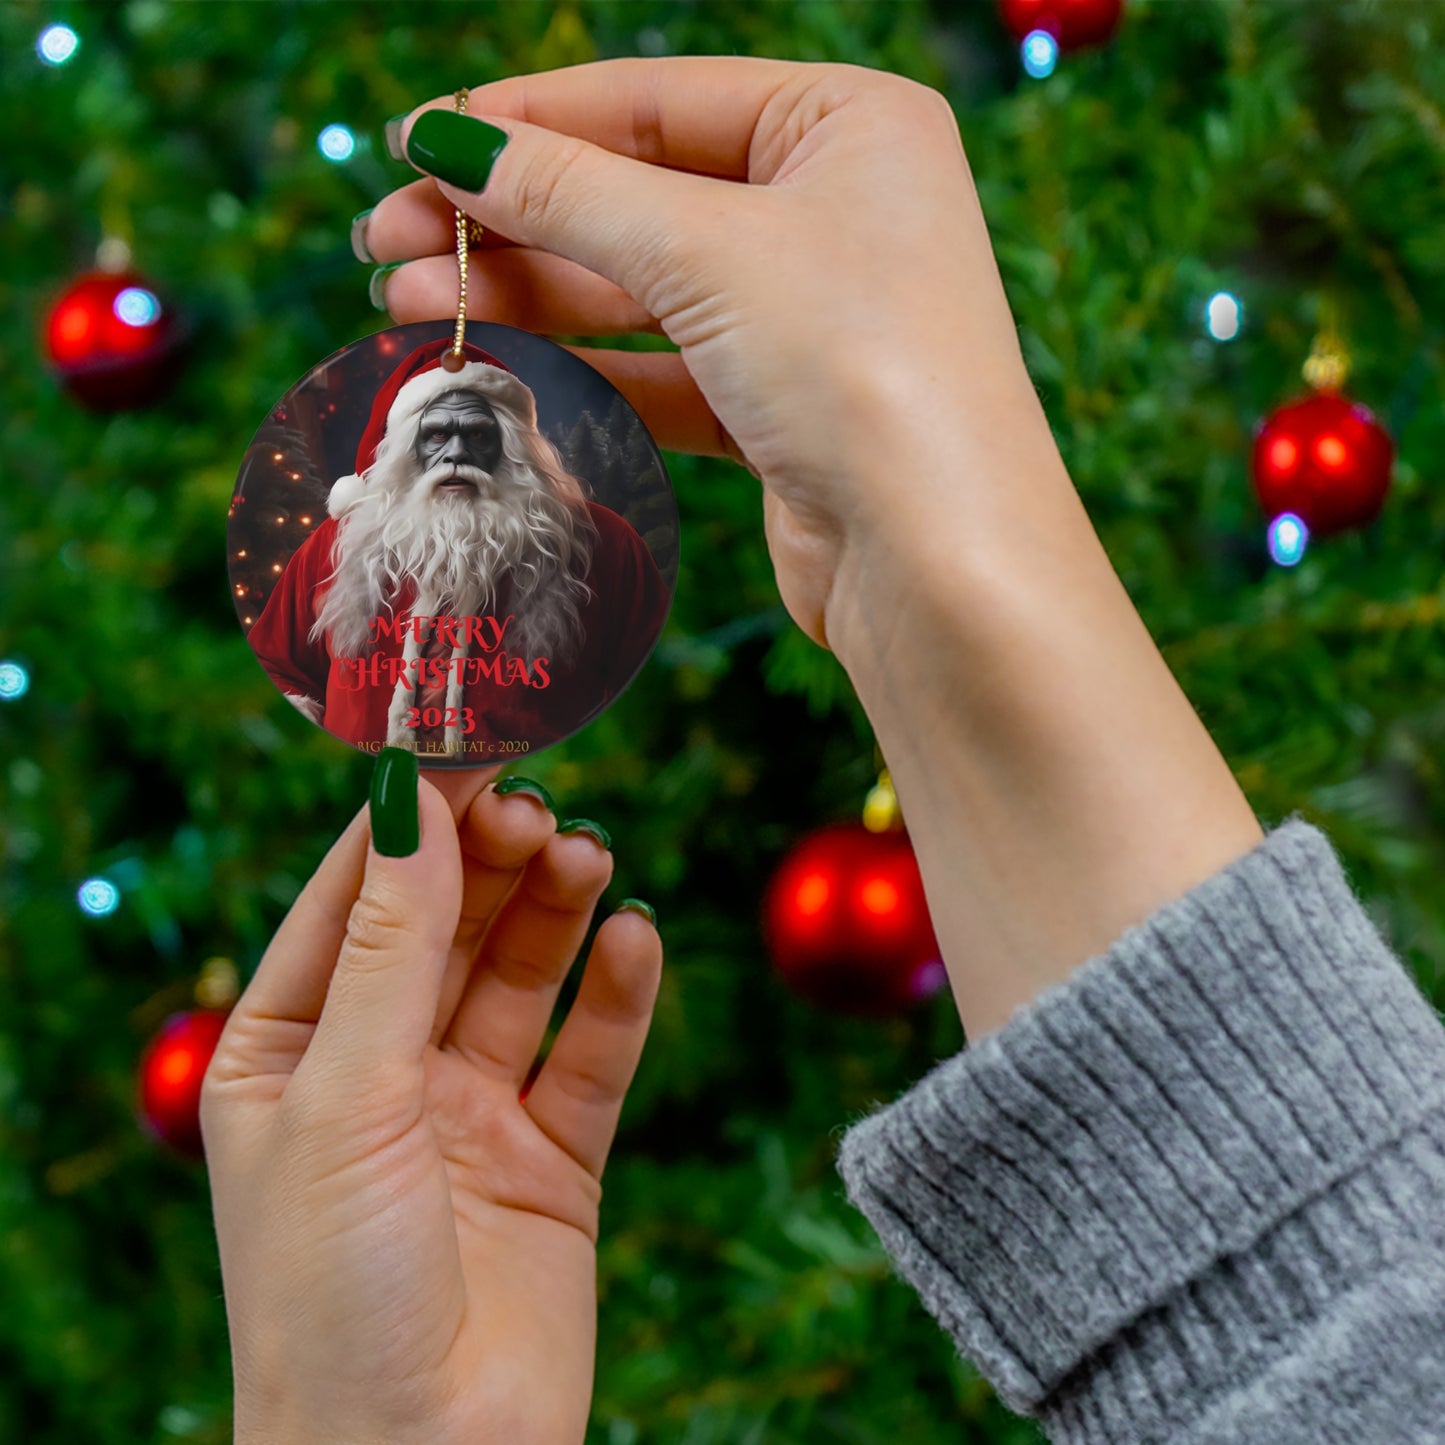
(458,436)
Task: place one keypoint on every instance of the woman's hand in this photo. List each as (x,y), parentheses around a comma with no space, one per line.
(810,237)
(841,321)
(407,1245)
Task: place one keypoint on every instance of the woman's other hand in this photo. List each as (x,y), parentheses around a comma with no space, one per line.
(407,1245)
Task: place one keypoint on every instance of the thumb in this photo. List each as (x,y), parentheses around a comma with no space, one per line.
(630,222)
(382,1000)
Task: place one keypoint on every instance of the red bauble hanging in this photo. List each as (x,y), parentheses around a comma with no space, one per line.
(1073,23)
(847,924)
(1324,458)
(171,1071)
(112,341)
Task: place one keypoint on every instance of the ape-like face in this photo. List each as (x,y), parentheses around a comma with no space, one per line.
(468,495)
(458,446)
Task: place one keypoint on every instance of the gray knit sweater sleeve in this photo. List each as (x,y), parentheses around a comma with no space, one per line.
(1196,1192)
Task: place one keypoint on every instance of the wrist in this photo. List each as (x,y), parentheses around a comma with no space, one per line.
(946,465)
(1056,782)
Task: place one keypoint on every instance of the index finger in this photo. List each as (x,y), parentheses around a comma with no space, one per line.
(696,113)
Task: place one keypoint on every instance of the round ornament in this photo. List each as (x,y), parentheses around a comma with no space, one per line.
(172,1070)
(1072,23)
(466,552)
(847,924)
(112,341)
(1324,458)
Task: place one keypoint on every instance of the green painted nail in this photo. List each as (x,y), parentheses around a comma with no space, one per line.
(533,789)
(455,148)
(636,905)
(376,289)
(359,247)
(395,820)
(586,825)
(392,132)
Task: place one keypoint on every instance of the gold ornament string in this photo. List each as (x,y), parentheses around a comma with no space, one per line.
(1328,366)
(469,233)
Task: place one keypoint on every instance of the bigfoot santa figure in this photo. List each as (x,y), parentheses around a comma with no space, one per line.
(463,594)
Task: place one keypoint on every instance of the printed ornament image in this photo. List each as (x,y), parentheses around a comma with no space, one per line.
(847,924)
(171,1072)
(1325,459)
(112,341)
(468,557)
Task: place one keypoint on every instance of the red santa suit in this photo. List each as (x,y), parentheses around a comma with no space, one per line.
(495,700)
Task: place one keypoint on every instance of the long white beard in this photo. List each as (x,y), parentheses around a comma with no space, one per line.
(458,547)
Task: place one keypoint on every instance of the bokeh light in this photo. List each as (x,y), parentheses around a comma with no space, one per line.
(336,143)
(57,44)
(812,895)
(1040,52)
(879,897)
(137,307)
(1223,316)
(1283,454)
(14,681)
(1288,538)
(98,897)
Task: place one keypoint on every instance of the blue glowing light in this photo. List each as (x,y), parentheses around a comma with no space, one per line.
(57,44)
(1288,538)
(1223,316)
(1040,53)
(137,307)
(14,681)
(336,143)
(98,897)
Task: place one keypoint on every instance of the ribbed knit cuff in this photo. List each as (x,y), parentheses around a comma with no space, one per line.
(1142,1181)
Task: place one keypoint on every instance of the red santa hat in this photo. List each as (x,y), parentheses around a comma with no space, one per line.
(412,387)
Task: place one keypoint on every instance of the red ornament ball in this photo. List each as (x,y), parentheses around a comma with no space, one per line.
(1073,23)
(112,341)
(1324,458)
(171,1071)
(847,924)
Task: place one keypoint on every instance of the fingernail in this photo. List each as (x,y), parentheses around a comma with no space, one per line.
(532,789)
(586,825)
(359,248)
(455,148)
(376,288)
(395,821)
(636,905)
(393,136)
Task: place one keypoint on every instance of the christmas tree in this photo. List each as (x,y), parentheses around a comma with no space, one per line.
(1283,161)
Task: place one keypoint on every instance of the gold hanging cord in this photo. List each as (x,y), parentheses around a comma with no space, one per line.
(469,233)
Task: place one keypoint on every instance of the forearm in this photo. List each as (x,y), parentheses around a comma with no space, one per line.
(1056,782)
